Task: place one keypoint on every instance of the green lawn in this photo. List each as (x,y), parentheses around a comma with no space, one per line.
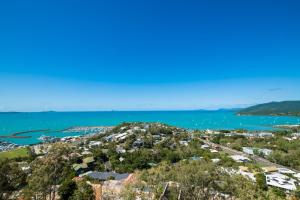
(16,153)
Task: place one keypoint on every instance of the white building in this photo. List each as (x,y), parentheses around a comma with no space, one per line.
(250,151)
(297,175)
(240,159)
(285,171)
(281,181)
(265,152)
(214,151)
(95,144)
(204,146)
(265,134)
(121,136)
(215,160)
(183,142)
(297,135)
(120,149)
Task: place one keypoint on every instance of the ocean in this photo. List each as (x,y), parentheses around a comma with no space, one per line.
(56,121)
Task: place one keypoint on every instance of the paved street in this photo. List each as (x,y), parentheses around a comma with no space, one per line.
(259,160)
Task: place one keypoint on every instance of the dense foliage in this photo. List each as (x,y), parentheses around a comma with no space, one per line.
(199,180)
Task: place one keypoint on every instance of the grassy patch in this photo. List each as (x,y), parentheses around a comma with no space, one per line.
(16,153)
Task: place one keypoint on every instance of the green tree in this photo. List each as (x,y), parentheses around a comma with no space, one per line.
(279,193)
(238,187)
(261,181)
(84,191)
(297,193)
(48,172)
(11,178)
(99,155)
(66,189)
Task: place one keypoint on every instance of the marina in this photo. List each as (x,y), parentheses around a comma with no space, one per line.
(6,146)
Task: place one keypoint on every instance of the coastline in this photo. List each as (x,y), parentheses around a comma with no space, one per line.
(57,124)
(8,146)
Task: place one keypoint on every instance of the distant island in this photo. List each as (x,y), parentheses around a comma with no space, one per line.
(284,108)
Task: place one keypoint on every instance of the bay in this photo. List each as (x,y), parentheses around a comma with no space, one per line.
(55,121)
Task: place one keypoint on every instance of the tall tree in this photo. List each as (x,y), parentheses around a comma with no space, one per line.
(84,191)
(48,172)
(11,178)
(67,189)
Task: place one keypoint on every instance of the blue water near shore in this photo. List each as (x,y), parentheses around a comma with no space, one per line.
(15,122)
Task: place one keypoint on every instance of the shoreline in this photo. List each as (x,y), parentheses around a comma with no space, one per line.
(83,130)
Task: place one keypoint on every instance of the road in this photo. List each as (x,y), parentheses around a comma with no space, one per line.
(258,159)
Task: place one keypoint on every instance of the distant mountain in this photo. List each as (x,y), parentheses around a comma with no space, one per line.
(284,108)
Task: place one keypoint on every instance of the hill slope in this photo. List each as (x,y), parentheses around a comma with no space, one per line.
(284,108)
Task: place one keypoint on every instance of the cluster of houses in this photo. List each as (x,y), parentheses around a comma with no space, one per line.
(118,137)
(6,146)
(282,178)
(110,184)
(43,148)
(88,130)
(139,131)
(293,136)
(257,151)
(237,133)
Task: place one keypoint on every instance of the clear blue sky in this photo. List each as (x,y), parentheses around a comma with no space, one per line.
(145,55)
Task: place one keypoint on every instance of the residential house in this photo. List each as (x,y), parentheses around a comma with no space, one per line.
(184,143)
(138,143)
(120,149)
(281,181)
(103,176)
(240,159)
(265,134)
(205,146)
(95,144)
(285,171)
(251,151)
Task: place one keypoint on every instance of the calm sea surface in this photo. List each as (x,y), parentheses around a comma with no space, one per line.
(15,122)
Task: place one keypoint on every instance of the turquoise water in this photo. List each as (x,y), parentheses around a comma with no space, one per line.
(15,122)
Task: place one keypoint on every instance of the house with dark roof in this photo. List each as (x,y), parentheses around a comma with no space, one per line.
(103,176)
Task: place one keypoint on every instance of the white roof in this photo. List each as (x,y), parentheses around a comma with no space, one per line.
(95,143)
(297,176)
(204,146)
(281,181)
(215,160)
(285,171)
(239,158)
(121,135)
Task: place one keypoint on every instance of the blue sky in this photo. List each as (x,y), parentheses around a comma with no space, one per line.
(147,55)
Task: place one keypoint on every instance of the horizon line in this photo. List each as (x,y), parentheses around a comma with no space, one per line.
(113,110)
